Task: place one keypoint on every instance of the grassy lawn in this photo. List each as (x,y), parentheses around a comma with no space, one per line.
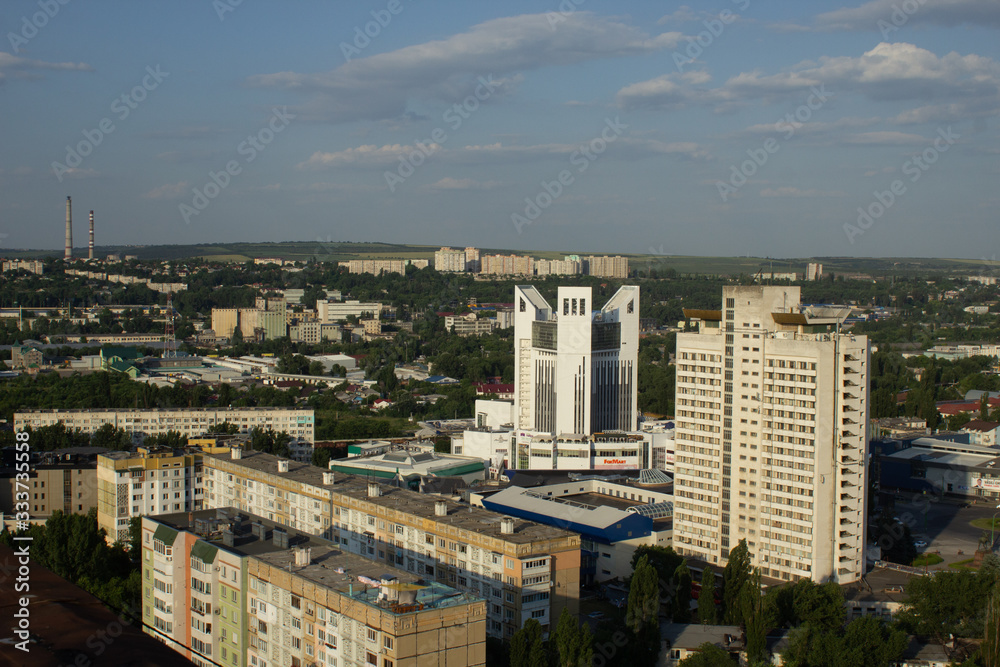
(924,560)
(985,523)
(964,565)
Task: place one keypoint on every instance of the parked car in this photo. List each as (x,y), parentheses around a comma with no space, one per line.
(920,544)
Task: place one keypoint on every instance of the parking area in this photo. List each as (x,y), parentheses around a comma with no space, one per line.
(943,525)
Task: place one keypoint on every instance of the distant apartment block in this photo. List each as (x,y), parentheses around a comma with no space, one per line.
(33,265)
(468,325)
(814,271)
(314,332)
(558,267)
(523,569)
(472,260)
(772,436)
(24,357)
(606,267)
(253,323)
(376,266)
(299,423)
(450,260)
(232,590)
(508,265)
(338,311)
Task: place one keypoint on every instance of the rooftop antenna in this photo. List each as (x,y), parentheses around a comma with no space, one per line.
(168,329)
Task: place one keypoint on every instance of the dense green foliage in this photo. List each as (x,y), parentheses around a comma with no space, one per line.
(73,547)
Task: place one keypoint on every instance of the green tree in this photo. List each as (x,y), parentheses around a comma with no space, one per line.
(642,611)
(169,439)
(707,613)
(752,604)
(317,368)
(112,437)
(663,559)
(990,648)
(734,579)
(526,646)
(566,639)
(682,594)
(708,655)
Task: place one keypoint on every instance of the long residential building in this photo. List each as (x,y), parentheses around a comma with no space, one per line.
(772,435)
(227,589)
(523,569)
(299,423)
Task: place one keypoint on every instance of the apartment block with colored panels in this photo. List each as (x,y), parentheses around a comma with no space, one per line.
(522,568)
(149,481)
(226,588)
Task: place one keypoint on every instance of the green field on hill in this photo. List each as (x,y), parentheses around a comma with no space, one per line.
(333,251)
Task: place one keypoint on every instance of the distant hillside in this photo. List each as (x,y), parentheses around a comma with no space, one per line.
(339,251)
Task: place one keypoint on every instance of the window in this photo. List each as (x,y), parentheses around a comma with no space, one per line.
(387,642)
(372,635)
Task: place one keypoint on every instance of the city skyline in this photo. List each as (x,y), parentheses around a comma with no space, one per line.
(857,129)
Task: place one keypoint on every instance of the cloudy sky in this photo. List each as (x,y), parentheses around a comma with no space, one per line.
(779,128)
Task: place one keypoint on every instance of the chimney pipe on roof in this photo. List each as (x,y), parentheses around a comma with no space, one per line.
(327,478)
(283,465)
(440,508)
(374,490)
(236,453)
(507,526)
(68,255)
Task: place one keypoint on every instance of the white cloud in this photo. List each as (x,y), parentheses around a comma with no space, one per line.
(885,138)
(947,13)
(449,183)
(788,192)
(496,153)
(887,73)
(168,191)
(383,86)
(13,67)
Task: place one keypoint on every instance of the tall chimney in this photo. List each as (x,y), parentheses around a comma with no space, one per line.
(68,255)
(90,247)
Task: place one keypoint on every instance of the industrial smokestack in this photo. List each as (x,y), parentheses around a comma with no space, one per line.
(68,255)
(90,247)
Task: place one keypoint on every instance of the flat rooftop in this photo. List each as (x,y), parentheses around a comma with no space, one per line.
(459,515)
(349,574)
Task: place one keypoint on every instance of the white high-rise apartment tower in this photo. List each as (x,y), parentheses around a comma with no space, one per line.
(576,367)
(771,436)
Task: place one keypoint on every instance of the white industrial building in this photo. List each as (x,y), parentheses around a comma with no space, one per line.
(771,436)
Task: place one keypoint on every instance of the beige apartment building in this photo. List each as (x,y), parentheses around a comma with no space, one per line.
(67,483)
(299,423)
(148,482)
(523,569)
(771,436)
(225,588)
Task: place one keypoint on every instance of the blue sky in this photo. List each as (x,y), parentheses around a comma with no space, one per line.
(783,129)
